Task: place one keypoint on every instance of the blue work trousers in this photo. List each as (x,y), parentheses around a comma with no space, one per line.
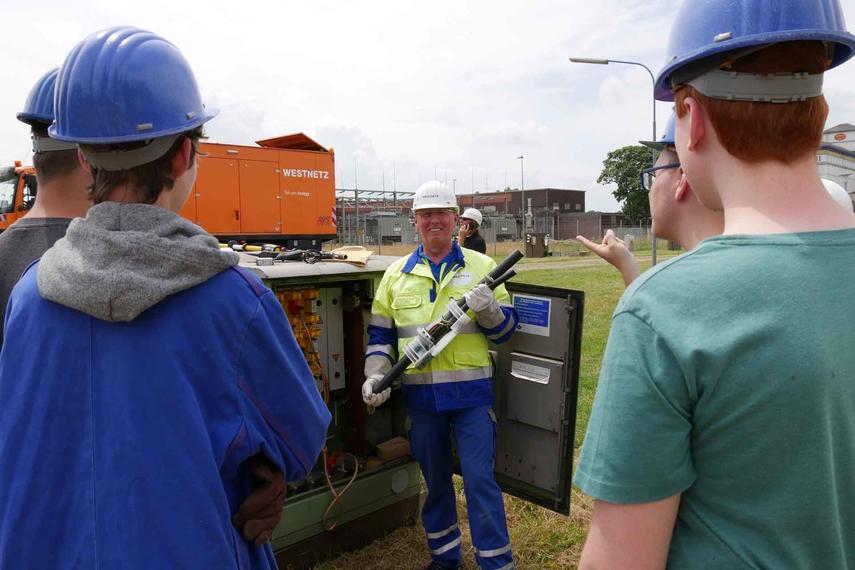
(474,433)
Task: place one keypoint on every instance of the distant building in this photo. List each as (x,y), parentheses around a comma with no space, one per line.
(836,156)
(542,200)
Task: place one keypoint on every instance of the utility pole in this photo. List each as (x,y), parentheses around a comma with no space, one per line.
(522,189)
(603,61)
(356,199)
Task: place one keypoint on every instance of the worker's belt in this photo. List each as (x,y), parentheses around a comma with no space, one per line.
(446,376)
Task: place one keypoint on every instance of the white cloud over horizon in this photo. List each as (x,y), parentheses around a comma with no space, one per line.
(456,88)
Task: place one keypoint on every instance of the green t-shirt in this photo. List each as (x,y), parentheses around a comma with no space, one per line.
(729,377)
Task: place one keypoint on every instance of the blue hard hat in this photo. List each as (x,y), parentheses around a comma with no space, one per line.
(667,138)
(704,29)
(39,105)
(124,84)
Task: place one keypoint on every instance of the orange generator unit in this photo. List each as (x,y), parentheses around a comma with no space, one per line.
(282,191)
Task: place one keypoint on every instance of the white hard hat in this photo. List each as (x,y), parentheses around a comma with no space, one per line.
(434,194)
(473,215)
(840,195)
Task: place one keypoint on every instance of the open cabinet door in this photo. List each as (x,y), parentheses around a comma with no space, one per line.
(536,385)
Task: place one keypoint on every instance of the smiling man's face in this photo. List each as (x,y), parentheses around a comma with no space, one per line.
(436,226)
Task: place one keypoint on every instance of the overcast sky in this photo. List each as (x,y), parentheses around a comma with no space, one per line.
(457,88)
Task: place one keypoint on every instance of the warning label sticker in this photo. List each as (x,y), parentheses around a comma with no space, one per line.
(533,313)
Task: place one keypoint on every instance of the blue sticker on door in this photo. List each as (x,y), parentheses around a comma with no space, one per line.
(533,313)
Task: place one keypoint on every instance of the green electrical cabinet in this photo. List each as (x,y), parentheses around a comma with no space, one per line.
(535,383)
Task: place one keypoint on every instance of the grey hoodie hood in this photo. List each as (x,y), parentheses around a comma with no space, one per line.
(124,258)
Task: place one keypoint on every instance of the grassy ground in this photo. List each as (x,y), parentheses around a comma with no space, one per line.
(542,540)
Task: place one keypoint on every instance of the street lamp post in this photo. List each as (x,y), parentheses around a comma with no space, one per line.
(522,189)
(597,61)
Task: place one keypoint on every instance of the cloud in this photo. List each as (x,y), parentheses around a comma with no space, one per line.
(456,88)
(513,133)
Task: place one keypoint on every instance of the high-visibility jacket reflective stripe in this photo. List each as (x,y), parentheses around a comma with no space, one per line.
(505,329)
(444,376)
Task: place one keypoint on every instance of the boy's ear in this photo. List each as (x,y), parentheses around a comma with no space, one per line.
(83,164)
(682,190)
(697,122)
(181,160)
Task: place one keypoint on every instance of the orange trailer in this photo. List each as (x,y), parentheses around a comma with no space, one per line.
(281,191)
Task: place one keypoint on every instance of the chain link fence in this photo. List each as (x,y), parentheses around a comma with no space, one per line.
(396,233)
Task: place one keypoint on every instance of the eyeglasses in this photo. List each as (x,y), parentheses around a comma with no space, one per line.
(648,175)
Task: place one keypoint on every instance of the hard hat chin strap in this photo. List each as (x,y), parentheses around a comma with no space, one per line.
(760,88)
(125,159)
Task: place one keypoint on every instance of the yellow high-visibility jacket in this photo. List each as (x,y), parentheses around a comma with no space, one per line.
(414,293)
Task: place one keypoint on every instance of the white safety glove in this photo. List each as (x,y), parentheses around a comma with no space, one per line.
(486,307)
(368,395)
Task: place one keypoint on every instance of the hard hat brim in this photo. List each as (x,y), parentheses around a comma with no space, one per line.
(142,136)
(456,209)
(31,118)
(656,145)
(844,41)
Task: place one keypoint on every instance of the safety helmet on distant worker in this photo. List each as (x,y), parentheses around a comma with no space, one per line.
(38,112)
(836,191)
(707,34)
(472,214)
(434,195)
(667,138)
(124,84)
(38,108)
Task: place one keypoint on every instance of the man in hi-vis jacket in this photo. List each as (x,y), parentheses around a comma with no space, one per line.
(453,394)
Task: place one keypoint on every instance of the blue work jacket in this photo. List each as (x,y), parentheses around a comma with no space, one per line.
(123,444)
